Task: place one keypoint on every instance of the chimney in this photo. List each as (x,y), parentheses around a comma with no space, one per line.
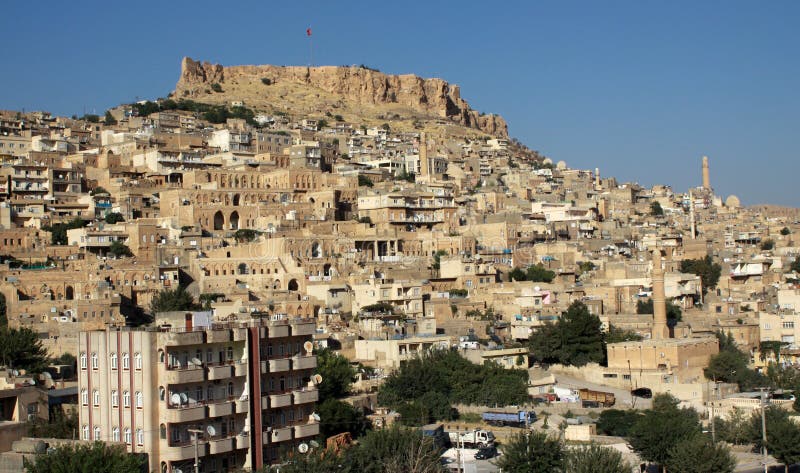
(660,329)
(706,178)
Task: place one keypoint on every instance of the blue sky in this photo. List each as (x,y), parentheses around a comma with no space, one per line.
(641,89)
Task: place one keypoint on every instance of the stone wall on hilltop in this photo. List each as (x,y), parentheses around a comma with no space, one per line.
(357,84)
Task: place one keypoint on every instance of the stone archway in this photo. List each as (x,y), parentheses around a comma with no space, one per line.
(219,220)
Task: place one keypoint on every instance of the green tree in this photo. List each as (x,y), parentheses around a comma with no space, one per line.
(266,81)
(58,231)
(706,268)
(731,365)
(216,87)
(662,427)
(783,435)
(674,313)
(337,375)
(114,217)
(596,459)
(617,422)
(535,452)
(119,249)
(394,450)
(244,235)
(3,311)
(785,231)
(616,335)
(517,274)
(96,457)
(697,454)
(575,339)
(170,300)
(364,181)
(22,349)
(337,416)
(538,273)
(795,266)
(767,245)
(109,119)
(655,209)
(437,259)
(734,429)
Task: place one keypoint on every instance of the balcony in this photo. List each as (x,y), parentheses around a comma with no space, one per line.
(279,365)
(218,336)
(242,406)
(305,396)
(281,435)
(240,369)
(181,338)
(191,375)
(220,372)
(239,334)
(279,400)
(278,331)
(304,362)
(221,445)
(177,415)
(303,327)
(220,409)
(306,430)
(242,441)
(182,451)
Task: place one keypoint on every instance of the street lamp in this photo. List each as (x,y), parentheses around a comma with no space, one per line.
(196,433)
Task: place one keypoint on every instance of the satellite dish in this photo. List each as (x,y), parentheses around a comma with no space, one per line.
(314,444)
(302,448)
(184,398)
(314,417)
(175,399)
(196,361)
(317,379)
(211,431)
(308,346)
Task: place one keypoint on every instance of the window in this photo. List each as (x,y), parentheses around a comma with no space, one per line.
(126,399)
(96,397)
(115,434)
(209,355)
(210,393)
(767,326)
(114,398)
(113,361)
(126,361)
(198,392)
(230,353)
(85,397)
(162,432)
(97,433)
(230,389)
(176,435)
(94,361)
(162,393)
(127,435)
(788,325)
(139,399)
(137,361)
(85,432)
(83,360)
(139,437)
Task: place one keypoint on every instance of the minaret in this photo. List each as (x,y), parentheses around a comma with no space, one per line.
(596,178)
(660,329)
(691,214)
(423,154)
(706,178)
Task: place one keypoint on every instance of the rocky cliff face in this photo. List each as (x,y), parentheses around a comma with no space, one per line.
(433,97)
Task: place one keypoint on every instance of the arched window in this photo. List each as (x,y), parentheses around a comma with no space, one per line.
(137,361)
(115,434)
(139,437)
(139,399)
(85,432)
(160,356)
(126,361)
(83,360)
(127,438)
(94,361)
(162,432)
(97,433)
(96,397)
(113,361)
(162,393)
(85,397)
(114,398)
(126,399)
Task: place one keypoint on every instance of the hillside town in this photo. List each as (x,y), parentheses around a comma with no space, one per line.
(195,259)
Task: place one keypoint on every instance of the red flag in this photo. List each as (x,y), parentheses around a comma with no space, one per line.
(308,31)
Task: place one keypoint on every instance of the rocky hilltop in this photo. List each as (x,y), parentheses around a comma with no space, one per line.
(355,86)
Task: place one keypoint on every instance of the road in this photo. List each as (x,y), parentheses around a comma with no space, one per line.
(623,396)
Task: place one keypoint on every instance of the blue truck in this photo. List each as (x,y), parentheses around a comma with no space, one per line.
(516,419)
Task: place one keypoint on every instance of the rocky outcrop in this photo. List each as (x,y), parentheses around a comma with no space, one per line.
(434,97)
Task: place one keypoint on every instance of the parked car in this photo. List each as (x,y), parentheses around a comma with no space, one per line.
(486,452)
(645,393)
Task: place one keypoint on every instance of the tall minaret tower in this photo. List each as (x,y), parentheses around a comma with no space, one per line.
(706,177)
(660,329)
(423,155)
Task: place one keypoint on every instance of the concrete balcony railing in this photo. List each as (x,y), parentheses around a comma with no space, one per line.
(220,409)
(177,415)
(239,334)
(304,362)
(242,406)
(279,400)
(281,435)
(303,327)
(221,445)
(181,338)
(305,396)
(279,365)
(191,375)
(220,372)
(278,331)
(218,336)
(242,441)
(182,451)
(306,430)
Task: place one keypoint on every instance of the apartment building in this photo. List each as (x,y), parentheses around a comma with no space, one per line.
(248,387)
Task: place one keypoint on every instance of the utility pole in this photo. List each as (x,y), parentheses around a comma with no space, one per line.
(196,433)
(764,426)
(713,426)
